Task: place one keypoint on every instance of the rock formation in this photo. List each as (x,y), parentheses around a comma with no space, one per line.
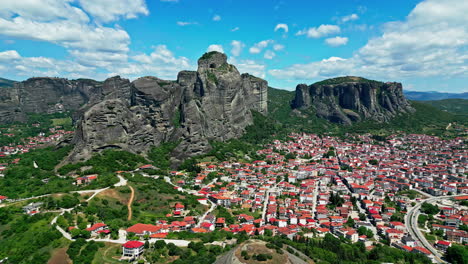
(349,99)
(212,103)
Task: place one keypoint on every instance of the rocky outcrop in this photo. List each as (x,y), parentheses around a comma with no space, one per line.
(212,103)
(51,95)
(350,99)
(10,110)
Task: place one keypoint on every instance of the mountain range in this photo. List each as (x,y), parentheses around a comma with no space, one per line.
(427,96)
(214,103)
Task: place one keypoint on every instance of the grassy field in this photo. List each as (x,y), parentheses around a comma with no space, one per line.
(258,247)
(59,256)
(62,121)
(108,254)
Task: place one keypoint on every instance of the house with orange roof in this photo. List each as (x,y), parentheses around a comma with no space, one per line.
(143,229)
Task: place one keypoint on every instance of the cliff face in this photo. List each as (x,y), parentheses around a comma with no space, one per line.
(45,95)
(212,103)
(349,99)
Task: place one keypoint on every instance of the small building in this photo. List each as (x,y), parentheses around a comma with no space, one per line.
(132,249)
(443,245)
(32,208)
(86,179)
(98,228)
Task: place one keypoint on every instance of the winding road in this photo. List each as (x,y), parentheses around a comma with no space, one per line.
(122,233)
(411,220)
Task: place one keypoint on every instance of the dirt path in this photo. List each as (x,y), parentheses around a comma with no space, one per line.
(129,205)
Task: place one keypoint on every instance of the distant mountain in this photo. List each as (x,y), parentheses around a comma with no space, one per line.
(455,106)
(6,82)
(426,96)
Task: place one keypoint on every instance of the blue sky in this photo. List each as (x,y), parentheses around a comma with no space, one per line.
(423,44)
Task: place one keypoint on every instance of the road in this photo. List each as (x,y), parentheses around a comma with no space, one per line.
(168,180)
(265,203)
(411,220)
(314,199)
(213,206)
(423,193)
(130,201)
(363,211)
(12,201)
(122,182)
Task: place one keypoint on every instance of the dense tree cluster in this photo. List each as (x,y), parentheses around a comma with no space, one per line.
(340,251)
(26,239)
(429,209)
(82,252)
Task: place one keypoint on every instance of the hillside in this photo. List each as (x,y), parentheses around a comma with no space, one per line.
(6,83)
(455,106)
(425,119)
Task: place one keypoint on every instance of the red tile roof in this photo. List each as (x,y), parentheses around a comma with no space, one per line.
(133,244)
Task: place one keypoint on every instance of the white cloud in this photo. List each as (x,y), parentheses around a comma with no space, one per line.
(321,31)
(336,41)
(185,23)
(258,47)
(216,18)
(9,55)
(96,51)
(41,66)
(67,34)
(283,27)
(278,47)
(42,10)
(269,55)
(431,42)
(349,18)
(111,10)
(215,47)
(161,63)
(325,68)
(58,22)
(249,66)
(237,47)
(235,29)
(99,59)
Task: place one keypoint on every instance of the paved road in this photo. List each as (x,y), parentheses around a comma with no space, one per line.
(228,258)
(411,220)
(12,201)
(314,199)
(423,193)
(67,235)
(265,203)
(213,206)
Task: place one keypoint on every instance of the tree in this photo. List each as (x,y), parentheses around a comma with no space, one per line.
(429,208)
(457,254)
(350,222)
(160,244)
(362,217)
(365,231)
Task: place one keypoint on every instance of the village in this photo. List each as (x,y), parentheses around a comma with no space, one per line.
(358,188)
(56,134)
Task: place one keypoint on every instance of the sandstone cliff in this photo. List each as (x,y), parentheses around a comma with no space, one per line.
(212,103)
(349,99)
